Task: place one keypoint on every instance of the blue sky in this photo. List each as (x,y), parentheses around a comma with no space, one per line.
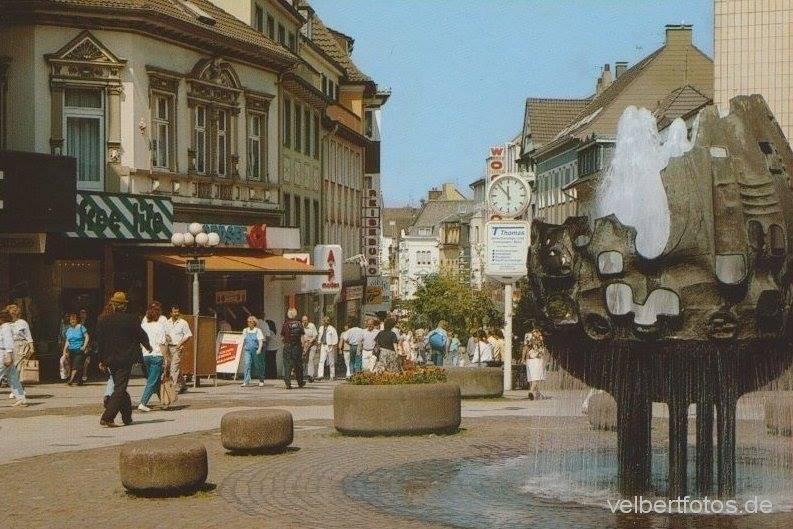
(460,70)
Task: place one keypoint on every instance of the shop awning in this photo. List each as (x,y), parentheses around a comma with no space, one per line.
(268,264)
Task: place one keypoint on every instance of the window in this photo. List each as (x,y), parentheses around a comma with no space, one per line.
(307,222)
(221,158)
(258,18)
(287,122)
(317,222)
(324,84)
(255,147)
(271,27)
(281,35)
(162,136)
(287,209)
(84,130)
(298,121)
(368,126)
(298,219)
(292,42)
(315,150)
(200,139)
(3,67)
(307,136)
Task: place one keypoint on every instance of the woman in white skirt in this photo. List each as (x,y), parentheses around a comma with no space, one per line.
(535,364)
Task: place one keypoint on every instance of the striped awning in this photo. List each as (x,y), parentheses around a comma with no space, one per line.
(267,264)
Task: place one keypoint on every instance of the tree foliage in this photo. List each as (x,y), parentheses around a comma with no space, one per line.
(446,296)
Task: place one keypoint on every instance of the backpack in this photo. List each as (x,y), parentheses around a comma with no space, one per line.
(295,329)
(437,340)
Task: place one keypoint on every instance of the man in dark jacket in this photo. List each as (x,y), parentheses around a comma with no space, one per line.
(292,331)
(119,336)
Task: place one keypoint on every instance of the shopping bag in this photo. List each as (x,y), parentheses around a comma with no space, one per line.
(65,367)
(166,393)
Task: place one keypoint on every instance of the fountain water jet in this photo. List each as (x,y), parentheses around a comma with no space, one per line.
(680,292)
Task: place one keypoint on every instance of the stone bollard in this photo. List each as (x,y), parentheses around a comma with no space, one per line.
(256,430)
(165,467)
(602,412)
(778,412)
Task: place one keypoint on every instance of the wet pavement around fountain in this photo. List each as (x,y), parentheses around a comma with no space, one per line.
(515,463)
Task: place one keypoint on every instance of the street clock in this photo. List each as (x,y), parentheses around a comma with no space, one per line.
(509,196)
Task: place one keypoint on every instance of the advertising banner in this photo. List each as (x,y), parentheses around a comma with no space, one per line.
(229,352)
(507,244)
(258,236)
(306,283)
(329,257)
(120,216)
(231,297)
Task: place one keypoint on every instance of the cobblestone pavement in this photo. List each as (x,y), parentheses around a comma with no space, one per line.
(303,487)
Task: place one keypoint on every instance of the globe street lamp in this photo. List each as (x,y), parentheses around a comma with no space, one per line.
(194,244)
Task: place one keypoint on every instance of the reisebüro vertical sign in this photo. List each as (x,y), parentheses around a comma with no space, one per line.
(507,245)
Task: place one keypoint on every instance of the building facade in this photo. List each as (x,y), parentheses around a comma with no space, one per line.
(753,48)
(174,115)
(437,240)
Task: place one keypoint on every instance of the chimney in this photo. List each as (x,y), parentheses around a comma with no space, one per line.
(604,80)
(434,194)
(620,68)
(678,35)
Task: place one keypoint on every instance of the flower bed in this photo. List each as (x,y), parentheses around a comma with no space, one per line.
(426,375)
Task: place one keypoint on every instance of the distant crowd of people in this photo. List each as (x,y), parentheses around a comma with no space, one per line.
(118,340)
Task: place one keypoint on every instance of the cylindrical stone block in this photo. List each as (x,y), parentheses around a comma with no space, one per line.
(256,430)
(167,466)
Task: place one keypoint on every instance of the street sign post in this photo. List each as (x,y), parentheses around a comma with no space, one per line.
(195,266)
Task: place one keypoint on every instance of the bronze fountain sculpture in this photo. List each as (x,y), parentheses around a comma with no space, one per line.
(704,322)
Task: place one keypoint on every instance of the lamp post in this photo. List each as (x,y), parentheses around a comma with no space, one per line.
(194,244)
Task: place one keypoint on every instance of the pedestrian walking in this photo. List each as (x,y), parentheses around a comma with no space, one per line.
(177,332)
(483,352)
(470,348)
(328,343)
(23,340)
(292,332)
(77,340)
(454,350)
(119,338)
(353,338)
(369,344)
(252,344)
(419,346)
(108,309)
(260,360)
(498,343)
(7,361)
(438,341)
(83,317)
(386,340)
(535,364)
(155,358)
(309,342)
(270,348)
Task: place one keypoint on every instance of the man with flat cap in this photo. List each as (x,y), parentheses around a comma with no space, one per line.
(119,336)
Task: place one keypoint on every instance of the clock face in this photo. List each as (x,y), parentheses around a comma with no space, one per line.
(508,196)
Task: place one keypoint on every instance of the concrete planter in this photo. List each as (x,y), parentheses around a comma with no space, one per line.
(602,412)
(779,416)
(166,467)
(477,382)
(396,409)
